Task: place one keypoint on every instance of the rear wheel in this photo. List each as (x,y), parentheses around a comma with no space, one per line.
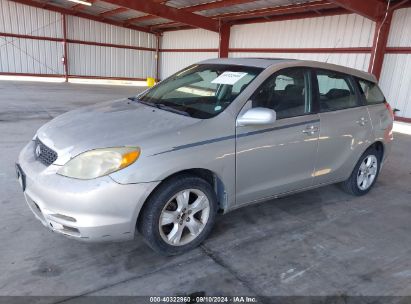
(179,215)
(365,173)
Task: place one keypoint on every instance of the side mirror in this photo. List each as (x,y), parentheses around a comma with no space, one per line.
(257,116)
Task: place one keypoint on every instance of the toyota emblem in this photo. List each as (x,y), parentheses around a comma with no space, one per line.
(38,151)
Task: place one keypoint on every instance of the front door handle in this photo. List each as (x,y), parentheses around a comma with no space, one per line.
(362,121)
(311,130)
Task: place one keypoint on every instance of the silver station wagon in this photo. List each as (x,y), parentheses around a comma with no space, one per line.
(216,136)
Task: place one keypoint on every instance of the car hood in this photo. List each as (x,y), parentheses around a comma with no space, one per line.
(109,124)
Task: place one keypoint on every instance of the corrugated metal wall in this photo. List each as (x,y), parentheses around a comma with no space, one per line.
(396,73)
(343,31)
(89,30)
(22,19)
(171,62)
(90,60)
(103,61)
(18,55)
(31,56)
(322,32)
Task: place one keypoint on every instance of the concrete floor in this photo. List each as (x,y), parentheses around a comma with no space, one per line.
(322,242)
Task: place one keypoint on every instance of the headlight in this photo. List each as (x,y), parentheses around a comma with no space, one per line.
(99,162)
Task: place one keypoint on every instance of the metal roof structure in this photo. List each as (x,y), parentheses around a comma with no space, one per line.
(156,16)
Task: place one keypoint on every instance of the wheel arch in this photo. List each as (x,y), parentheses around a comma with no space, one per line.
(209,176)
(379,146)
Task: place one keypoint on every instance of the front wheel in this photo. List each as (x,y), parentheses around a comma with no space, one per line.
(179,215)
(364,174)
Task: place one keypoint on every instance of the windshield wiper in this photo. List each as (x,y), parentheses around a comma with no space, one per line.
(171,109)
(147,103)
(160,106)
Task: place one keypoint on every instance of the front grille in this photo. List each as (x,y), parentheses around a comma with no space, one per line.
(43,153)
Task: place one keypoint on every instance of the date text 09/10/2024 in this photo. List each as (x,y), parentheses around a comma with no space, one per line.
(203,299)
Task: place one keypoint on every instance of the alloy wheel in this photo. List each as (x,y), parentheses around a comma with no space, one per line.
(184,217)
(367,172)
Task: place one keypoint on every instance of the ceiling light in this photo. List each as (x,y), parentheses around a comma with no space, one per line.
(81,2)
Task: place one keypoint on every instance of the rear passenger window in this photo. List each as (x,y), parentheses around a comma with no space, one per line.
(371,92)
(287,92)
(336,91)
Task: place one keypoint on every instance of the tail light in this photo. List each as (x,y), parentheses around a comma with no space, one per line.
(387,105)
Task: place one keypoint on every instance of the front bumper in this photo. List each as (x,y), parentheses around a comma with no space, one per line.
(90,210)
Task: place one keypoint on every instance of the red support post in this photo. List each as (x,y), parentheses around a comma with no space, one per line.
(225,29)
(158,41)
(382,30)
(65,54)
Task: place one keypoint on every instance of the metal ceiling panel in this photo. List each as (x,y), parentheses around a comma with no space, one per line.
(105,5)
(261,4)
(60,3)
(127,15)
(185,3)
(153,22)
(94,10)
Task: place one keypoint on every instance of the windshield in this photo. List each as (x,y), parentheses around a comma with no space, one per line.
(200,91)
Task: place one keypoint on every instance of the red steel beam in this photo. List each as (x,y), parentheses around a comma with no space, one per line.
(382,30)
(352,50)
(168,24)
(81,14)
(371,9)
(323,13)
(106,78)
(200,7)
(71,76)
(113,12)
(31,74)
(403,119)
(288,10)
(402,4)
(178,28)
(43,38)
(118,46)
(189,50)
(393,50)
(171,13)
(224,40)
(30,37)
(65,49)
(215,4)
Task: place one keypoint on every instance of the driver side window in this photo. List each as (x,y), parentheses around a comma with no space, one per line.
(288,92)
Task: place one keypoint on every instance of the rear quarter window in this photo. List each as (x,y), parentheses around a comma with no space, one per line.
(336,91)
(371,92)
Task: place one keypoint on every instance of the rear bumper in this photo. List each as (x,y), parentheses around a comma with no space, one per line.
(89,210)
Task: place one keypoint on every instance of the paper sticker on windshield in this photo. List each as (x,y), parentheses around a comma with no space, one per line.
(229,78)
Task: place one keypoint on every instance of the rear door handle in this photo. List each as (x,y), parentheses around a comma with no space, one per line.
(362,121)
(310,130)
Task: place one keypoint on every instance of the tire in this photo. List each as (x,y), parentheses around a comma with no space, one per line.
(173,210)
(359,182)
